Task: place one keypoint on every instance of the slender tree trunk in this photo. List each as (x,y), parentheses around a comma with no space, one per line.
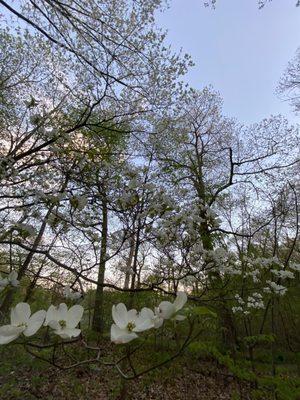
(135,250)
(31,286)
(129,263)
(229,335)
(228,329)
(98,320)
(4,307)
(135,258)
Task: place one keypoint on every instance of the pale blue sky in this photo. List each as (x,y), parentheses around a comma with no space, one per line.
(241,50)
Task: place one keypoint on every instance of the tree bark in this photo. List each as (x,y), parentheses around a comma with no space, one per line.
(4,307)
(98,317)
(129,263)
(229,335)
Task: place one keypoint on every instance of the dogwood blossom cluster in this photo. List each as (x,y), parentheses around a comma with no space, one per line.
(223,261)
(70,294)
(255,266)
(295,267)
(237,309)
(254,274)
(179,222)
(255,301)
(283,274)
(276,288)
(128,323)
(11,280)
(239,299)
(62,320)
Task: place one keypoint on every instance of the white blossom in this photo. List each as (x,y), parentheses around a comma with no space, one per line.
(168,310)
(239,299)
(21,322)
(11,279)
(237,309)
(3,283)
(156,319)
(295,267)
(283,274)
(128,323)
(64,321)
(69,294)
(278,289)
(255,301)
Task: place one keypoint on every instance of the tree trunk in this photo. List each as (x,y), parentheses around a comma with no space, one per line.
(129,263)
(228,330)
(135,258)
(98,320)
(4,307)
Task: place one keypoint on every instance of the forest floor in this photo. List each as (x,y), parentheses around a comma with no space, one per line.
(22,377)
(81,384)
(192,376)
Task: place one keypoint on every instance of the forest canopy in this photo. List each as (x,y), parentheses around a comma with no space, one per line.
(141,227)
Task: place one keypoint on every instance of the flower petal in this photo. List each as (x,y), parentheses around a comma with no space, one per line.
(8,333)
(3,282)
(75,296)
(166,310)
(74,316)
(119,314)
(121,336)
(132,315)
(20,314)
(147,313)
(35,322)
(156,319)
(143,324)
(13,278)
(67,333)
(62,312)
(51,315)
(66,291)
(54,324)
(180,300)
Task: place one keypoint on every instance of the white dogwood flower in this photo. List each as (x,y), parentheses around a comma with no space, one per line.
(156,319)
(168,310)
(277,289)
(12,278)
(64,321)
(69,294)
(3,283)
(283,274)
(295,267)
(21,322)
(127,323)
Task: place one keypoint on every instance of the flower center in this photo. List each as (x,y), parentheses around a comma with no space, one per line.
(130,326)
(62,323)
(22,325)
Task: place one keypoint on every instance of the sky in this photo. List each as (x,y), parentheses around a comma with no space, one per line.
(241,50)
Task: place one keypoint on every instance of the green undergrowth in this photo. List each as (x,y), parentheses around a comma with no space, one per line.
(269,378)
